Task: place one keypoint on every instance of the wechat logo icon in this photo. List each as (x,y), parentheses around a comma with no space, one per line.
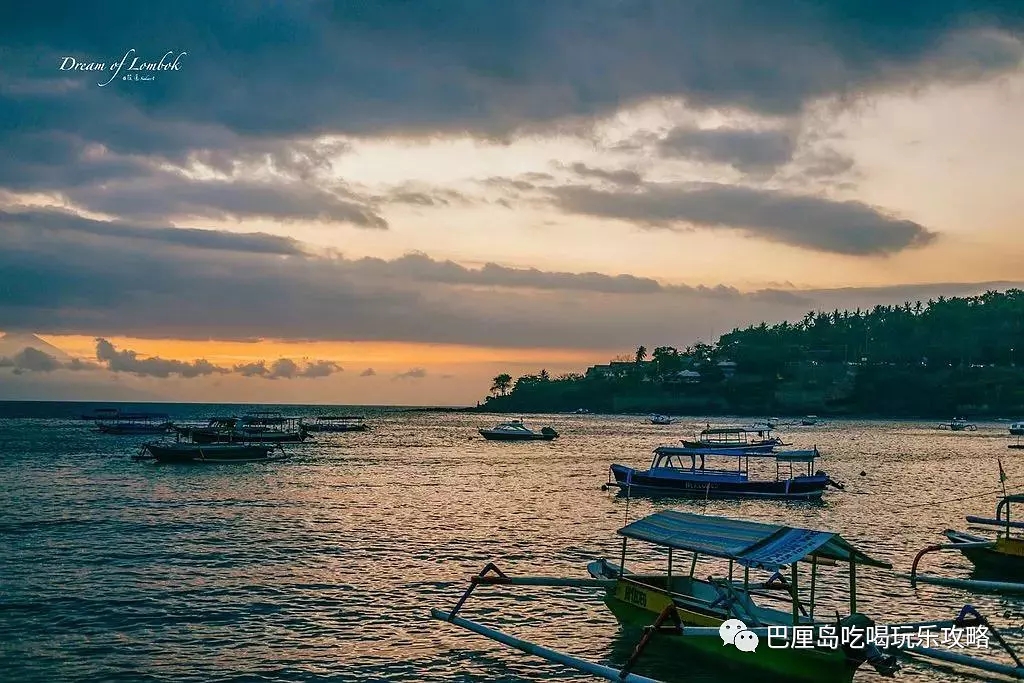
(734,632)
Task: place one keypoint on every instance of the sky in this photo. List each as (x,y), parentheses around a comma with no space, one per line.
(391,202)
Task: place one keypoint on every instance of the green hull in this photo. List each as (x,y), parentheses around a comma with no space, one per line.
(783,665)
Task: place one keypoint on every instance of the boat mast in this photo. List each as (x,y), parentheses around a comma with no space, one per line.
(853,585)
(796,596)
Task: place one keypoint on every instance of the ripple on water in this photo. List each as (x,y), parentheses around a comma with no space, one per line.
(325,567)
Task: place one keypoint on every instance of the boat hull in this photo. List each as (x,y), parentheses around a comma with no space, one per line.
(637,605)
(219,436)
(685,484)
(335,428)
(1016,431)
(211,454)
(1005,561)
(491,435)
(129,429)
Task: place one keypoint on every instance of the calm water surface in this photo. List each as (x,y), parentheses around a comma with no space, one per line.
(325,567)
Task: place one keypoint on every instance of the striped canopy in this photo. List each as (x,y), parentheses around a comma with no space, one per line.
(751,544)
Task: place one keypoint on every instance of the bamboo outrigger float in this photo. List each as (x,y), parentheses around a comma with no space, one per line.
(998,562)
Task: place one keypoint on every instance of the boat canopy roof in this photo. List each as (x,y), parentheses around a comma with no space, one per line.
(751,544)
(808,455)
(734,430)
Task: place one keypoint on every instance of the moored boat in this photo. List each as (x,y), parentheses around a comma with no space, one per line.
(959,424)
(515,430)
(266,427)
(756,439)
(134,423)
(675,471)
(689,614)
(657,419)
(998,562)
(340,423)
(1017,429)
(210,453)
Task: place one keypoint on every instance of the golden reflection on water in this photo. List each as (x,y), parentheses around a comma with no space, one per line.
(327,565)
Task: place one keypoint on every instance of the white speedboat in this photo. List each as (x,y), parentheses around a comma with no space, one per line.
(515,430)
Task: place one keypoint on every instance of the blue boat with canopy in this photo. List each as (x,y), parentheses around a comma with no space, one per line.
(687,472)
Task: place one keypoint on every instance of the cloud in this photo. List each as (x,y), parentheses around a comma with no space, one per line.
(128,361)
(60,283)
(51,221)
(810,222)
(412,373)
(286,368)
(368,372)
(172,195)
(618,176)
(746,150)
(285,89)
(33,360)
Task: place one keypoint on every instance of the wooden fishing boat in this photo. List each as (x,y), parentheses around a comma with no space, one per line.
(267,427)
(515,430)
(998,562)
(675,471)
(134,423)
(341,423)
(757,439)
(959,424)
(211,453)
(689,613)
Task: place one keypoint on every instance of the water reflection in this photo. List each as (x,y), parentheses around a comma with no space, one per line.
(325,566)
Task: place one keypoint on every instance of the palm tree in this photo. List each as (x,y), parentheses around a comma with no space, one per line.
(641,354)
(544,376)
(501,384)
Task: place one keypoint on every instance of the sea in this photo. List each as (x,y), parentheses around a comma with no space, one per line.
(325,567)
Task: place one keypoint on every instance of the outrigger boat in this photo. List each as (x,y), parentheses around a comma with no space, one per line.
(689,612)
(269,427)
(210,453)
(959,424)
(341,423)
(756,439)
(674,471)
(998,563)
(134,423)
(515,430)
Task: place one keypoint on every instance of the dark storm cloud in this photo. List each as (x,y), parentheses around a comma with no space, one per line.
(746,150)
(257,80)
(129,361)
(172,195)
(42,221)
(33,360)
(810,222)
(286,368)
(59,283)
(617,176)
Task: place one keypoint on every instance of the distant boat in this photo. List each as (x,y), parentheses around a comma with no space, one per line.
(102,414)
(341,423)
(756,439)
(134,423)
(675,471)
(959,424)
(657,419)
(212,453)
(266,427)
(809,421)
(1017,429)
(515,430)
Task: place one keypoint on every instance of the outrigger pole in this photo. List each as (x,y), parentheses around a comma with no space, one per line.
(592,668)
